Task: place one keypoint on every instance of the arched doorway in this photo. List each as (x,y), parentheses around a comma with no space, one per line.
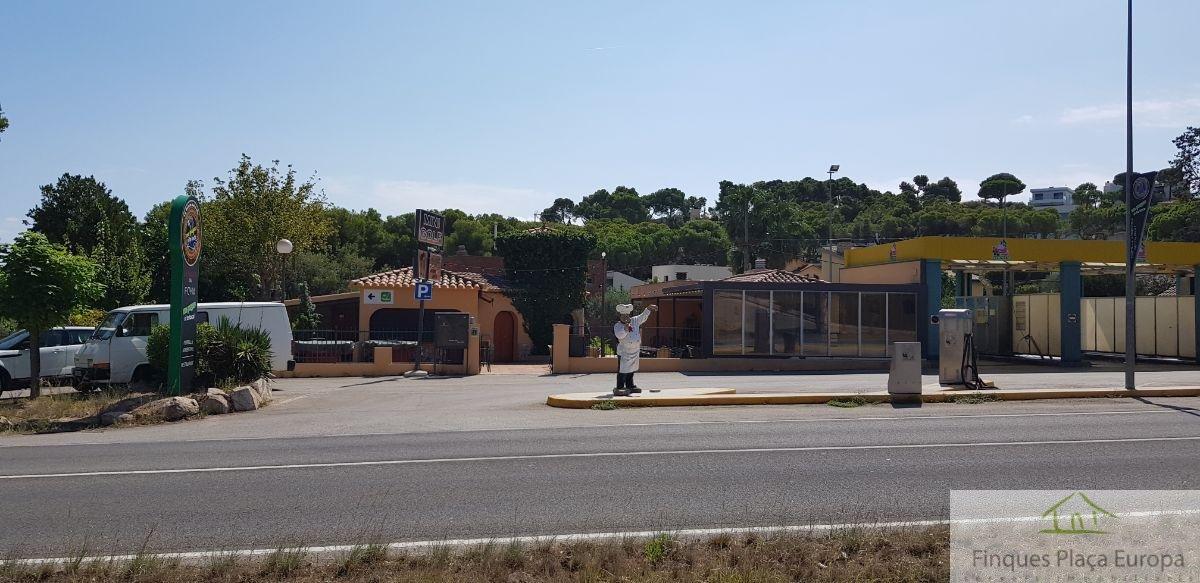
(504,336)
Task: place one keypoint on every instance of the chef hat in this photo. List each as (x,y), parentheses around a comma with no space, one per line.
(625,308)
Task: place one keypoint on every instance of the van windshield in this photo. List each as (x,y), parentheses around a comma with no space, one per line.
(109,326)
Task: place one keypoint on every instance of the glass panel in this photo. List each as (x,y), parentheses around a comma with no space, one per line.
(874,324)
(816,323)
(727,322)
(786,326)
(843,331)
(902,319)
(758,323)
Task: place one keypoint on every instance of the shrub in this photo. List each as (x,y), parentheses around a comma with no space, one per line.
(225,353)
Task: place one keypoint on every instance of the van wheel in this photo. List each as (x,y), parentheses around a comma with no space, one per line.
(143,377)
(5,380)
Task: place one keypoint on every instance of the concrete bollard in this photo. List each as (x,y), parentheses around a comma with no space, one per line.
(904,378)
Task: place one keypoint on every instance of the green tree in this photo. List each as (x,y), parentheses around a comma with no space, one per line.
(359,233)
(307,317)
(703,241)
(622,203)
(561,211)
(547,273)
(246,214)
(670,204)
(999,187)
(1176,222)
(1187,159)
(41,284)
(154,233)
(328,273)
(3,121)
(83,215)
(944,189)
(1086,195)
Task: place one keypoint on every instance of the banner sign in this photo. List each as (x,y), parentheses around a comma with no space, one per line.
(1139,201)
(430,228)
(429,266)
(184,240)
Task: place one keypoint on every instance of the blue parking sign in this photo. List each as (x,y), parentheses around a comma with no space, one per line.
(423,291)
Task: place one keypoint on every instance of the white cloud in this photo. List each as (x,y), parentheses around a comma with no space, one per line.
(1022,120)
(393,197)
(1148,113)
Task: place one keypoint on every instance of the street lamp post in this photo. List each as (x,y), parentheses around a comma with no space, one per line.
(603,297)
(1130,250)
(284,248)
(829,243)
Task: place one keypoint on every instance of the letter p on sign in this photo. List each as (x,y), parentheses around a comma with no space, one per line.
(423,291)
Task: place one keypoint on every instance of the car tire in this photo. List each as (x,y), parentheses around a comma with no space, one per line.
(5,380)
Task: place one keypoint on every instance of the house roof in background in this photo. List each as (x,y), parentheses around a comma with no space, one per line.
(403,277)
(772,276)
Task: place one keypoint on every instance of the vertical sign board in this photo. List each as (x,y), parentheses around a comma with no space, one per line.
(431,233)
(1139,209)
(184,241)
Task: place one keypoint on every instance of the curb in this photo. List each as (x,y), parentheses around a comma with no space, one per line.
(729,397)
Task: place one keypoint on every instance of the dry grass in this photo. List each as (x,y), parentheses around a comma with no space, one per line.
(42,413)
(917,554)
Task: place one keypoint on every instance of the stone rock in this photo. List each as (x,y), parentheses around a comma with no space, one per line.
(245,399)
(215,404)
(263,388)
(6,425)
(114,417)
(215,392)
(171,409)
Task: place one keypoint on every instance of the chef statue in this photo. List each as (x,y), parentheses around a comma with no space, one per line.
(629,346)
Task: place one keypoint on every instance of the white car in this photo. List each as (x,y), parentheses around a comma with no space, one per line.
(116,352)
(59,347)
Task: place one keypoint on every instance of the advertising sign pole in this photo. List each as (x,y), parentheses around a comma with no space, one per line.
(184,241)
(430,233)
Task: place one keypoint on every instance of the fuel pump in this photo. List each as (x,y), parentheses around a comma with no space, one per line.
(958,363)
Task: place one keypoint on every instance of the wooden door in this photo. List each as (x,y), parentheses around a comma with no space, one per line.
(504,335)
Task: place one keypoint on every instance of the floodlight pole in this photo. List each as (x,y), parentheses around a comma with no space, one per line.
(1130,245)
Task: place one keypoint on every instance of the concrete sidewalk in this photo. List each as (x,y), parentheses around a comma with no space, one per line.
(719,396)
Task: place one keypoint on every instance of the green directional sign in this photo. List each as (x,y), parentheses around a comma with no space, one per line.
(184,241)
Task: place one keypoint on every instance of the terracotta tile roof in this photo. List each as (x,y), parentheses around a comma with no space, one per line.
(772,276)
(403,277)
(662,289)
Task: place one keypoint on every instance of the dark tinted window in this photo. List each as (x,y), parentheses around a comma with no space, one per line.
(51,338)
(78,336)
(139,324)
(201,318)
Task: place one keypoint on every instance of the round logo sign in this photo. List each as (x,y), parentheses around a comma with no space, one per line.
(189,230)
(1141,187)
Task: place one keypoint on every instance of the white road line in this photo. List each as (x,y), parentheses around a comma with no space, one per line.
(609,426)
(593,455)
(583,536)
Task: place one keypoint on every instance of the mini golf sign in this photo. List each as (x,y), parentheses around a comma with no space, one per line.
(185,241)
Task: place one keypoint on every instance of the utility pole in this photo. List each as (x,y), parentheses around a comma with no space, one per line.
(746,236)
(1130,250)
(829,242)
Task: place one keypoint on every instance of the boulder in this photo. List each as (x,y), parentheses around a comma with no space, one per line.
(215,404)
(244,399)
(171,409)
(6,425)
(214,391)
(114,417)
(263,388)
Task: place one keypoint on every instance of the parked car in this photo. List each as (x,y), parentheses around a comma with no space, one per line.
(116,351)
(58,349)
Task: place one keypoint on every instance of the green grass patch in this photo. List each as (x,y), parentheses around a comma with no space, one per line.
(606,406)
(972,399)
(847,403)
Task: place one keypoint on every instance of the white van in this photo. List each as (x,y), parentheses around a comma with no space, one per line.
(116,352)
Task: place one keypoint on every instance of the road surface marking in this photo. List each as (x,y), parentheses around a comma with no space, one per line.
(583,536)
(593,455)
(609,426)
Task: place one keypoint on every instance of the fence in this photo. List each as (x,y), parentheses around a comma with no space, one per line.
(680,342)
(1165,325)
(333,346)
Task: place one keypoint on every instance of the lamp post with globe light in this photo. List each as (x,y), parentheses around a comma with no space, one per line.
(284,247)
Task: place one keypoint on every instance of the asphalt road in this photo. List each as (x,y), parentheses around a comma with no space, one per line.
(608,471)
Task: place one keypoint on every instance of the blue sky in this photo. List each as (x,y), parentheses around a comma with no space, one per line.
(502,106)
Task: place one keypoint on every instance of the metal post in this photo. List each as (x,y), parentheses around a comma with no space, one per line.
(746,237)
(829,242)
(1130,249)
(420,318)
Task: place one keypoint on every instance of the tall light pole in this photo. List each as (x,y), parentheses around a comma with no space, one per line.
(284,248)
(603,296)
(829,243)
(1130,249)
